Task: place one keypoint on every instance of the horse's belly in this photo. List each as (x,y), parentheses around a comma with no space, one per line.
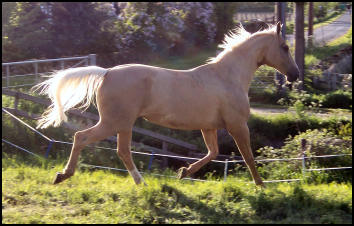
(185,121)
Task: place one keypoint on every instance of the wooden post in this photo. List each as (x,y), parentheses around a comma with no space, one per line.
(303,154)
(7,76)
(164,159)
(92,58)
(16,102)
(300,41)
(36,72)
(16,123)
(150,161)
(310,30)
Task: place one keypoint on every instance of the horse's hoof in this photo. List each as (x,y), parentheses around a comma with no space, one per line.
(59,178)
(260,185)
(182,172)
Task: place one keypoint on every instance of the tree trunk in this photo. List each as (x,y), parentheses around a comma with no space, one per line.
(281,9)
(300,41)
(310,31)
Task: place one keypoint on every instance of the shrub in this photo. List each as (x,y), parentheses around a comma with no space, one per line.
(333,99)
(319,142)
(163,28)
(338,99)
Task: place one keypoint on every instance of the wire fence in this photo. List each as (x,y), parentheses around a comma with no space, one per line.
(152,155)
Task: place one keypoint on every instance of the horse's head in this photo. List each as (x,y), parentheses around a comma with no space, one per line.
(278,56)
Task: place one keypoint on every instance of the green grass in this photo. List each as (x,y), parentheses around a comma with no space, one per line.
(315,55)
(106,197)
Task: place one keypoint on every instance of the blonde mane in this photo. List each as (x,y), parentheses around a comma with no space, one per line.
(236,37)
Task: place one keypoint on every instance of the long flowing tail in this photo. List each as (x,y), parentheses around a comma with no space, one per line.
(67,89)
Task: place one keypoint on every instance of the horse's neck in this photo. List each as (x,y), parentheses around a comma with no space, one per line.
(239,65)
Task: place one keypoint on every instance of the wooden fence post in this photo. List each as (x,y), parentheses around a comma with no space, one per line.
(150,161)
(16,123)
(303,154)
(92,58)
(36,72)
(164,159)
(7,76)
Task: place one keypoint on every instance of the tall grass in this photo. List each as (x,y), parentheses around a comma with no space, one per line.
(106,197)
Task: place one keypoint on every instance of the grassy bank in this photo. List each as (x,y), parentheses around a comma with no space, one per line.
(106,197)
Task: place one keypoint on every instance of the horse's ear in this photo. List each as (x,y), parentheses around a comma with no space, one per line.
(279,26)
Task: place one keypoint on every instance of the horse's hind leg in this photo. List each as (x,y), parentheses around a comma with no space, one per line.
(123,151)
(211,141)
(82,138)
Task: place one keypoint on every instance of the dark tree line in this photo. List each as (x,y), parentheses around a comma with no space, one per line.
(117,32)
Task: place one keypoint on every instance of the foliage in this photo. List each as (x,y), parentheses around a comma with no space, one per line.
(338,99)
(55,29)
(321,53)
(164,28)
(266,130)
(111,30)
(319,142)
(224,18)
(334,99)
(105,197)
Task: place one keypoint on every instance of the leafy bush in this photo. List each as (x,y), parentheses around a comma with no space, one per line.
(333,99)
(338,99)
(164,28)
(319,142)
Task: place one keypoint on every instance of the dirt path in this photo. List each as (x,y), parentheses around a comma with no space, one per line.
(322,114)
(329,32)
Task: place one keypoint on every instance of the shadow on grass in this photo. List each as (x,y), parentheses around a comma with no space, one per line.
(299,207)
(207,214)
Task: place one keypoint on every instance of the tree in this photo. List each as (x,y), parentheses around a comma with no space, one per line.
(162,29)
(310,25)
(7,9)
(76,28)
(57,29)
(224,14)
(27,32)
(300,41)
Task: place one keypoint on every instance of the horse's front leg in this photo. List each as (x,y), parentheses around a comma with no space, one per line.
(241,135)
(211,141)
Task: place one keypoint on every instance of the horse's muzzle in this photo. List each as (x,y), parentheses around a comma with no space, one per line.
(293,75)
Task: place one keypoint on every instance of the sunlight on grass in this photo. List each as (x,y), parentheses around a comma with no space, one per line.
(107,197)
(315,55)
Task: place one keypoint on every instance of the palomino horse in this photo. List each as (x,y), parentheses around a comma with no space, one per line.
(208,97)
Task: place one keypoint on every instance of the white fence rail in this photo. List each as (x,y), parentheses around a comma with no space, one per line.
(82,60)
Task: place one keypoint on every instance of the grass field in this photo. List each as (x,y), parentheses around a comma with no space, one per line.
(107,197)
